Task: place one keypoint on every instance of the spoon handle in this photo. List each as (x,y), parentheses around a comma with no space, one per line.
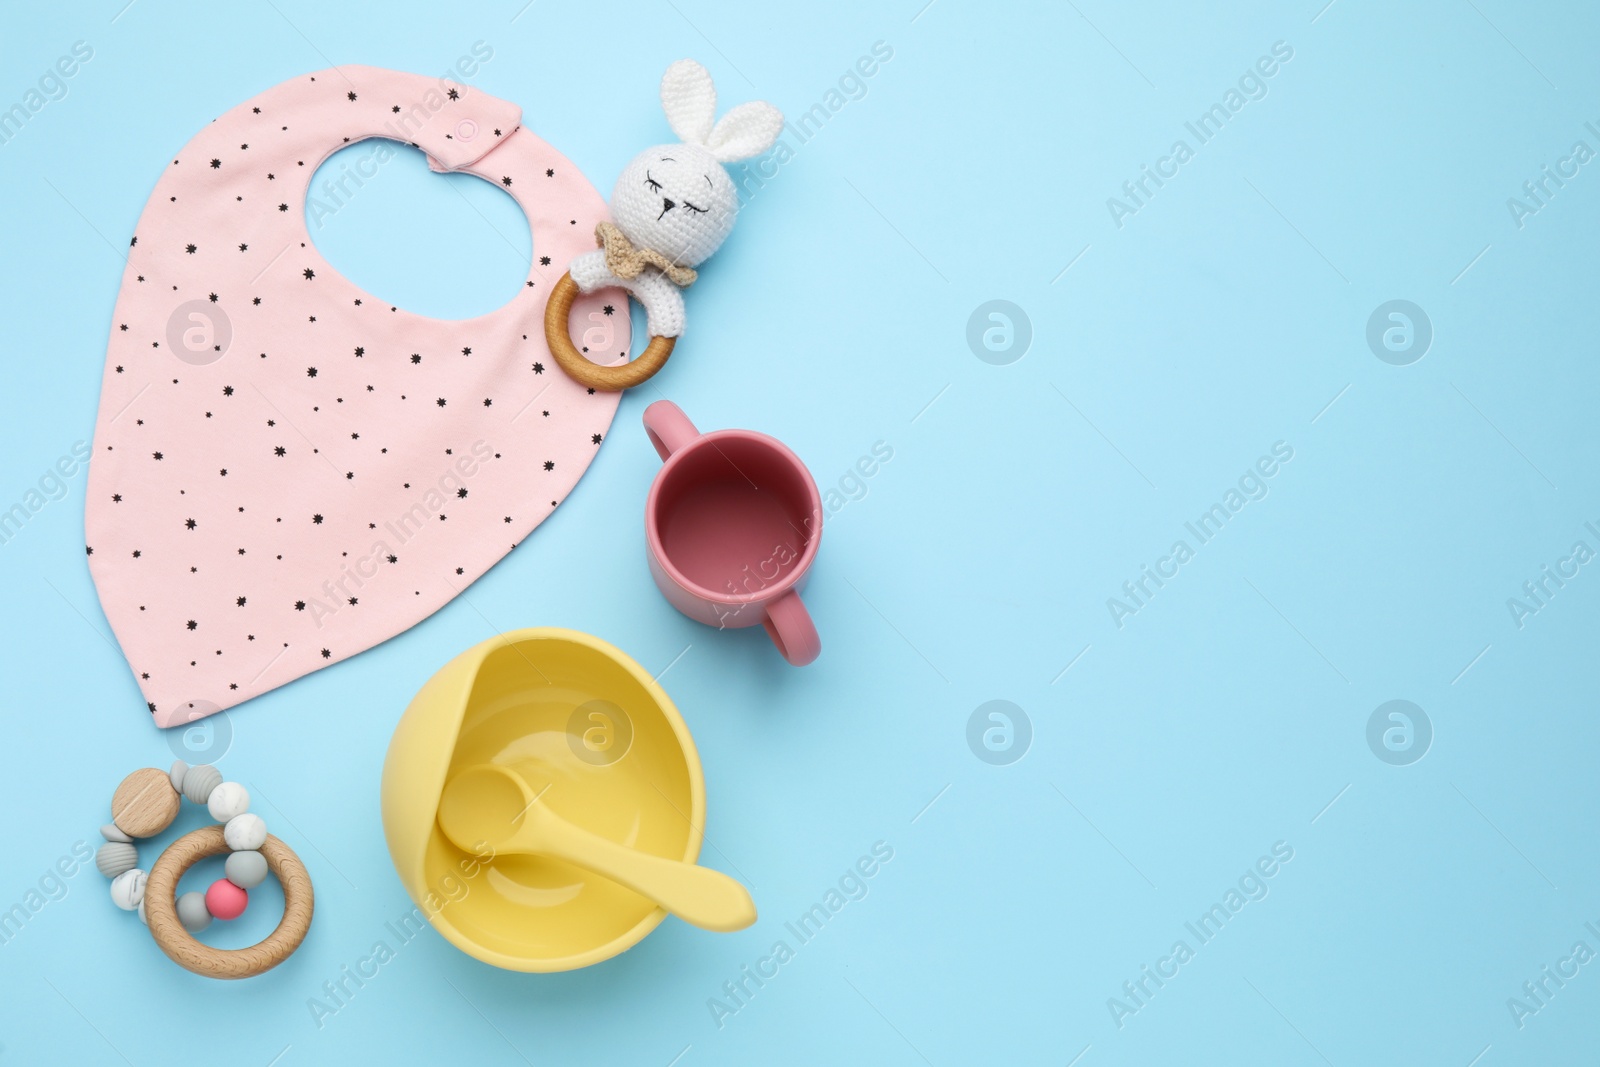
(698,895)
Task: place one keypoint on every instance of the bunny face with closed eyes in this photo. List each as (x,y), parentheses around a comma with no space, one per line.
(678,200)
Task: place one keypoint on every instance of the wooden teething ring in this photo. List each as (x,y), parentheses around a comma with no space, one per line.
(581,370)
(161,908)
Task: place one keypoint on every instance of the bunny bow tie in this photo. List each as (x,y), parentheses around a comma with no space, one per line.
(626,261)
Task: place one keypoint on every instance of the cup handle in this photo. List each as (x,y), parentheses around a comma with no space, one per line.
(669,428)
(789,625)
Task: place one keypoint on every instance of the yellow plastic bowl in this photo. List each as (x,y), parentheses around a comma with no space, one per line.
(571,711)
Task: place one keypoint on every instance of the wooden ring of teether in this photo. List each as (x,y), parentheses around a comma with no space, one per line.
(581,370)
(161,908)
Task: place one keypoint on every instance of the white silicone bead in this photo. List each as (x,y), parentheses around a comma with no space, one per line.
(127,889)
(110,832)
(245,869)
(228,800)
(192,912)
(179,769)
(245,833)
(142,916)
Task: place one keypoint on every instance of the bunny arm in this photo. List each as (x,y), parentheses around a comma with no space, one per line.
(661,300)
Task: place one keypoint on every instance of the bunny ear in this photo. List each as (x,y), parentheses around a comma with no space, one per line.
(748,130)
(690,101)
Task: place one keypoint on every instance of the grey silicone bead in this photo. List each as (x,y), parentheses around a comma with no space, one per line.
(110,832)
(246,869)
(179,769)
(198,782)
(114,857)
(192,912)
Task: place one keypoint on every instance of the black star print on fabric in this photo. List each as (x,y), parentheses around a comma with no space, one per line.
(395,109)
(354,601)
(313,374)
(116,498)
(351,96)
(191,249)
(452,94)
(191,625)
(216,164)
(157,455)
(189,524)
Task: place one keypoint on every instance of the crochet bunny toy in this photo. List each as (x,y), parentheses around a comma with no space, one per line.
(674,205)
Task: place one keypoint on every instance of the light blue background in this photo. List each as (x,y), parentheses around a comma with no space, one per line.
(1227,715)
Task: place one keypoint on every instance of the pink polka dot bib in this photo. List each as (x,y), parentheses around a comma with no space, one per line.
(287,470)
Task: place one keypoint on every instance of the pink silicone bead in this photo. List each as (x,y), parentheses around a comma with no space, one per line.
(224,900)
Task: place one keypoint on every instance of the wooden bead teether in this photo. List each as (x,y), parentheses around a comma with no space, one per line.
(145,804)
(180,945)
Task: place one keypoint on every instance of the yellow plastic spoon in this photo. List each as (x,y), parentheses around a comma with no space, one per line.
(493,804)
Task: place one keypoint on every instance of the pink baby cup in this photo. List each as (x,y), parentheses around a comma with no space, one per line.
(731,526)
